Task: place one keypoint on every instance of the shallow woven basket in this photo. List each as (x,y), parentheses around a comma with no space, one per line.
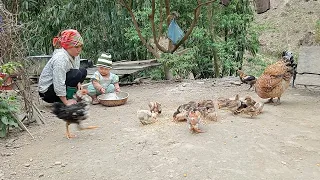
(123,97)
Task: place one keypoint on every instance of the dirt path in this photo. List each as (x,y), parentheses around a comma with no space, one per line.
(281,143)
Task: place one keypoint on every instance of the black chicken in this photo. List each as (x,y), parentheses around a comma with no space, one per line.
(73,114)
(247,79)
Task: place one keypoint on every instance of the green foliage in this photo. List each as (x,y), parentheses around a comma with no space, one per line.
(10,67)
(7,103)
(107,27)
(155,73)
(7,107)
(255,65)
(231,35)
(102,24)
(180,65)
(234,25)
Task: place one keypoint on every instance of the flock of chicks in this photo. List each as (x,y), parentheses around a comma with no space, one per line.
(195,112)
(271,84)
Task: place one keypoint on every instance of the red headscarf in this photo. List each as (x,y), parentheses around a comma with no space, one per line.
(67,39)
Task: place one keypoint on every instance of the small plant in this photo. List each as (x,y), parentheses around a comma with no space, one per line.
(8,106)
(10,67)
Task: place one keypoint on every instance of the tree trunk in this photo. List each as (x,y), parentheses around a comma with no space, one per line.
(168,74)
(215,60)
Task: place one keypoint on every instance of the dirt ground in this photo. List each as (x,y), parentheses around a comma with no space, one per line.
(281,143)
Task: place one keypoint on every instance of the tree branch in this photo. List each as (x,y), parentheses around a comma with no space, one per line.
(167,5)
(143,40)
(151,17)
(193,24)
(160,20)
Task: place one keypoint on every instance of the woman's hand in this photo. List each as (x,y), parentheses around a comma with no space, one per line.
(70,102)
(79,86)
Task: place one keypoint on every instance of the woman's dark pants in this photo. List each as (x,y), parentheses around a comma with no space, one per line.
(74,76)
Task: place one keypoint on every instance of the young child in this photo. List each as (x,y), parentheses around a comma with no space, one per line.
(103,81)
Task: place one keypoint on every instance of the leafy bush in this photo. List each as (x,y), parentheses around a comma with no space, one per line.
(8,106)
(180,65)
(10,67)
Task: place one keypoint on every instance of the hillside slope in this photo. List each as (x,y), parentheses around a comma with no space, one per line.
(288,24)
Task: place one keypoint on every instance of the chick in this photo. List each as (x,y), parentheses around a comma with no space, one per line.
(259,106)
(222,102)
(212,115)
(193,121)
(249,101)
(233,105)
(185,108)
(180,116)
(206,103)
(146,117)
(253,108)
(155,107)
(82,96)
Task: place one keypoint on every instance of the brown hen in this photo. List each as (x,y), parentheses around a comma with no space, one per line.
(274,80)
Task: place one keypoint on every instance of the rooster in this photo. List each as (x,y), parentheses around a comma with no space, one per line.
(275,79)
(247,79)
(73,114)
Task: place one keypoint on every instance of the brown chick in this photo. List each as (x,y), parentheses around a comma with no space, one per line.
(155,107)
(247,79)
(252,110)
(212,115)
(249,101)
(185,108)
(222,102)
(206,103)
(182,116)
(232,105)
(193,121)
